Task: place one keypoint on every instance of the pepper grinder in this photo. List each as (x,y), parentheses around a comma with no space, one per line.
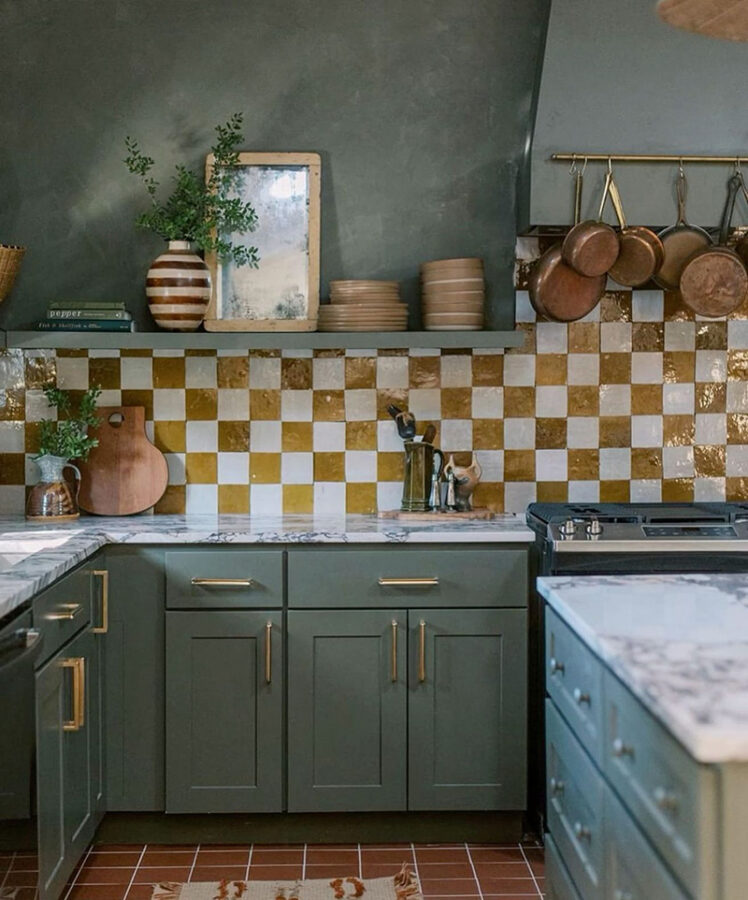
(451,503)
(435,497)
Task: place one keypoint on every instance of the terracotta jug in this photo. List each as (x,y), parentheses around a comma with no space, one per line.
(53,499)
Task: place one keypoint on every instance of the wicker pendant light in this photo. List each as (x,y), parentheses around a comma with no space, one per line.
(717,18)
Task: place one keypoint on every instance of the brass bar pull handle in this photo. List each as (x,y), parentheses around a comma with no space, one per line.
(408,582)
(268,652)
(71,610)
(78,666)
(104,575)
(222,582)
(393,676)
(422,650)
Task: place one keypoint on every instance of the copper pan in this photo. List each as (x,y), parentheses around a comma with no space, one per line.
(679,242)
(742,246)
(591,247)
(641,252)
(714,281)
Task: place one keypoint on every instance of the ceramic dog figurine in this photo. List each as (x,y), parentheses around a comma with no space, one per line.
(466,479)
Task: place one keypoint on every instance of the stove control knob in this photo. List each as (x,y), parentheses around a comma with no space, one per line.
(594,528)
(568,528)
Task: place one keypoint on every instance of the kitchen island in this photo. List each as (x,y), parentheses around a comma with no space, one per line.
(647,736)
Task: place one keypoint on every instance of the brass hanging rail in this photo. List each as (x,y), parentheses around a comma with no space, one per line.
(645,157)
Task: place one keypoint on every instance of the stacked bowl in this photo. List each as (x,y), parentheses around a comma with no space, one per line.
(453,293)
(359,305)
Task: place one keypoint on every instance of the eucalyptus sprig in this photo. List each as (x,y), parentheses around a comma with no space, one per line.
(200,211)
(68,437)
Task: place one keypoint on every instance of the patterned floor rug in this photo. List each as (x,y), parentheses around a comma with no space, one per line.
(402,886)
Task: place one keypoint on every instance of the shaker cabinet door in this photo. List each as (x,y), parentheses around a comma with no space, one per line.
(467,730)
(347,710)
(224,711)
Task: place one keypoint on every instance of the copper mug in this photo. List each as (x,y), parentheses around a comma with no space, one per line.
(419,471)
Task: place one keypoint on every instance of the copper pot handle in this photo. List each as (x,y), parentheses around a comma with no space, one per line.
(606,192)
(733,186)
(617,205)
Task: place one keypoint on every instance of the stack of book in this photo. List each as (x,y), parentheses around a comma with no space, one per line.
(86,315)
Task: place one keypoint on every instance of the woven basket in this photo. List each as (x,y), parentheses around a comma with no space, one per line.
(10,263)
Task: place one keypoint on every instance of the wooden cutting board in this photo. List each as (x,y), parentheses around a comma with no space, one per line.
(125,474)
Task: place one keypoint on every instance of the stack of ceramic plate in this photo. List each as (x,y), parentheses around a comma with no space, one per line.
(363,306)
(453,292)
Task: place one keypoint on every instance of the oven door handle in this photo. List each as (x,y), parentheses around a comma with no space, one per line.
(22,646)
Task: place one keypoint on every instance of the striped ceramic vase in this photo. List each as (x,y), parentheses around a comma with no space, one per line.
(178,288)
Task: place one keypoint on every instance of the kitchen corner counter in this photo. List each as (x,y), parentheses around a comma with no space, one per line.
(678,642)
(44,554)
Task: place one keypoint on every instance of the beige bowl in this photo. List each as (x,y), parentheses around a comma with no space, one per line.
(437,307)
(463,262)
(361,299)
(453,318)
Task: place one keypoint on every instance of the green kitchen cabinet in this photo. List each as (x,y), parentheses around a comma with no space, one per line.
(134,681)
(467,709)
(347,710)
(224,711)
(68,729)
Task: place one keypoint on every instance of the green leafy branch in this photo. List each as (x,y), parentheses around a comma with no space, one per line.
(200,211)
(68,437)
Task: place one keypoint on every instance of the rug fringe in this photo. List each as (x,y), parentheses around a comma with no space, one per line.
(167,890)
(406,884)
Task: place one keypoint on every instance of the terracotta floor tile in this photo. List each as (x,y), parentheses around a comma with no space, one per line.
(25,862)
(232,847)
(496,854)
(509,886)
(274,873)
(173,847)
(331,847)
(335,870)
(25,893)
(387,856)
(449,886)
(129,858)
(101,875)
(218,873)
(289,846)
(533,893)
(379,870)
(448,896)
(445,870)
(441,854)
(140,892)
(168,858)
(19,879)
(222,857)
(517,868)
(117,848)
(317,857)
(262,856)
(152,874)
(98,892)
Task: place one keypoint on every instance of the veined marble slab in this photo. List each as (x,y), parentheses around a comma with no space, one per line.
(57,549)
(679,642)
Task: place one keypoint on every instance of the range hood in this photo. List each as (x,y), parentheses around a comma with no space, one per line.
(616,79)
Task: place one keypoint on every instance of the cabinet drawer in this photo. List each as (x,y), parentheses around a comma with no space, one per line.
(574,679)
(62,610)
(559,885)
(633,869)
(668,793)
(575,806)
(224,579)
(445,577)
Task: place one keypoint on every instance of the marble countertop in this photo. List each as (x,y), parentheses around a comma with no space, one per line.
(35,555)
(678,642)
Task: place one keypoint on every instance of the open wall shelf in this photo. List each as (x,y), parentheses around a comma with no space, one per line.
(311,340)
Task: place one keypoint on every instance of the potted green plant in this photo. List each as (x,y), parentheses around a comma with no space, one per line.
(60,441)
(198,214)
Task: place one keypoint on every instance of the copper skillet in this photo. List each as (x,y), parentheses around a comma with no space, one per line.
(679,241)
(591,247)
(558,292)
(714,281)
(641,252)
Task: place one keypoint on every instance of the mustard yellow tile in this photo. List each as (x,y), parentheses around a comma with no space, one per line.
(709,461)
(40,371)
(648,337)
(584,399)
(615,306)
(296,373)
(677,431)
(529,342)
(488,371)
(298,498)
(615,431)
(199,351)
(13,405)
(677,490)
(104,371)
(233,498)
(646,462)
(519,465)
(360,372)
(675,309)
(456,403)
(173,502)
(584,337)
(32,437)
(233,371)
(201,468)
(552,491)
(519,402)
(614,491)
(737,365)
(201,403)
(550,368)
(711,335)
(488,434)
(489,495)
(361,435)
(424,371)
(12,468)
(615,368)
(233,436)
(390,466)
(329,466)
(168,371)
(139,351)
(360,497)
(390,397)
(678,366)
(264,404)
(328,406)
(646,399)
(550,433)
(73,352)
(169,437)
(736,488)
(265,468)
(584,464)
(737,428)
(711,397)
(142,398)
(297,437)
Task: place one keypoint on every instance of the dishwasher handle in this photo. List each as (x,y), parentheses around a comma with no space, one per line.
(19,648)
